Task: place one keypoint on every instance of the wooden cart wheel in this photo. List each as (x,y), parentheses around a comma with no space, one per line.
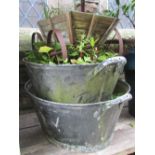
(120,40)
(60,39)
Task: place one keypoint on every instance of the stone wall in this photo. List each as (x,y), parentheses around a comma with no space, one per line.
(64,5)
(90,5)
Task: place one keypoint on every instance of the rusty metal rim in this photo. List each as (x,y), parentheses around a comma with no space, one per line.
(118,100)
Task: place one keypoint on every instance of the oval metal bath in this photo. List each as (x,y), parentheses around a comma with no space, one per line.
(75,83)
(80,127)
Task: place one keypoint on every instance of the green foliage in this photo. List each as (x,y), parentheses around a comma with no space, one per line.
(45,49)
(87,59)
(84,52)
(126,9)
(110,13)
(39,44)
(117,2)
(106,55)
(82,42)
(57,46)
(92,42)
(102,58)
(80,61)
(132,124)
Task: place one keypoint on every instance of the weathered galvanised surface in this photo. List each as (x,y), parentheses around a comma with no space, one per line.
(81,127)
(76,83)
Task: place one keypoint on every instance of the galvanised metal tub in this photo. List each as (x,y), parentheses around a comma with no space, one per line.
(80,127)
(76,83)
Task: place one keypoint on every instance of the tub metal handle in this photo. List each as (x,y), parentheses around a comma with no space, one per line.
(119,60)
(119,100)
(33,39)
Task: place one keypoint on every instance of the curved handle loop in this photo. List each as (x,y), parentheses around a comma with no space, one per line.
(60,39)
(118,61)
(118,100)
(34,35)
(121,45)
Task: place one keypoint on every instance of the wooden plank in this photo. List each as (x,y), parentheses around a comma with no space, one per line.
(79,20)
(101,26)
(32,136)
(28,120)
(123,140)
(105,34)
(79,16)
(80,25)
(104,20)
(69,27)
(92,24)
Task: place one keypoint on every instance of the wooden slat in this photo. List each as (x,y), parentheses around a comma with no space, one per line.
(69,27)
(79,16)
(80,25)
(28,120)
(104,20)
(92,24)
(123,141)
(105,34)
(32,136)
(100,26)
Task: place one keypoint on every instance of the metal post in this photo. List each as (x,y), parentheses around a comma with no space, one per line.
(82,5)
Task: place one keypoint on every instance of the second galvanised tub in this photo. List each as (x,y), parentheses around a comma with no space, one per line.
(81,127)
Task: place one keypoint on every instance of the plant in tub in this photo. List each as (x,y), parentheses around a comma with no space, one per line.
(85,66)
(83,52)
(128,11)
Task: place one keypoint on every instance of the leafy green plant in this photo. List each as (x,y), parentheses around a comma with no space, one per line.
(84,52)
(126,9)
